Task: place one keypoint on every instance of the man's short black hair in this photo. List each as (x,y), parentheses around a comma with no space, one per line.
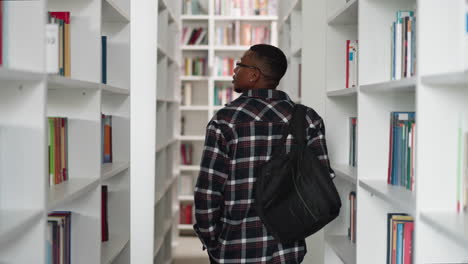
(273,59)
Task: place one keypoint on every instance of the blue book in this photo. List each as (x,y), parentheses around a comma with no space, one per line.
(104,59)
(399,249)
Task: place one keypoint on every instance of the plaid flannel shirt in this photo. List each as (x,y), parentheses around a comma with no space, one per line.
(239,139)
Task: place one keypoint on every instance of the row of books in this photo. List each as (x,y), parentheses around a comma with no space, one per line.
(352,217)
(194,7)
(352,141)
(58,43)
(186,153)
(351,63)
(106,138)
(402,149)
(403,48)
(246,7)
(186,215)
(58,150)
(224,94)
(400,229)
(58,238)
(195,66)
(237,33)
(194,35)
(224,66)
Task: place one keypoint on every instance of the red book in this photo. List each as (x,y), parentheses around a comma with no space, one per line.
(1,32)
(347,63)
(188,214)
(104,222)
(408,243)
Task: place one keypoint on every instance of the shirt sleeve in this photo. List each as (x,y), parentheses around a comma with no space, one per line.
(316,139)
(209,188)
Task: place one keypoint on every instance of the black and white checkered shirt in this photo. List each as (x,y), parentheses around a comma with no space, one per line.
(239,139)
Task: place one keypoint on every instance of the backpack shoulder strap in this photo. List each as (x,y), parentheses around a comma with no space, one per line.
(298,124)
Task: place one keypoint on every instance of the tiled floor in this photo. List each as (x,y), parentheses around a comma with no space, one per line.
(189,251)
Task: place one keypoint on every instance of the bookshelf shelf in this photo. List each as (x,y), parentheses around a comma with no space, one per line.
(194,108)
(189,168)
(353,91)
(7,74)
(114,90)
(231,48)
(68,191)
(403,85)
(343,247)
(345,172)
(194,17)
(195,47)
(112,12)
(452,79)
(452,224)
(194,78)
(186,198)
(14,222)
(222,78)
(192,138)
(112,248)
(186,228)
(60,82)
(397,196)
(246,18)
(110,170)
(166,144)
(346,15)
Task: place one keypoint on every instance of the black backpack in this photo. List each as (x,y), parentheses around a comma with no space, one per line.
(294,194)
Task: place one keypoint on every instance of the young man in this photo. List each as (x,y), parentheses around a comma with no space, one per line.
(239,139)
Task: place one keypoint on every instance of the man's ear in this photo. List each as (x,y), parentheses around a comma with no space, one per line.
(254,76)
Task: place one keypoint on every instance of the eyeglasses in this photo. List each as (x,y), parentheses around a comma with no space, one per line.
(240,64)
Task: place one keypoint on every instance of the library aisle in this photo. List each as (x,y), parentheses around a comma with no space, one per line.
(188,251)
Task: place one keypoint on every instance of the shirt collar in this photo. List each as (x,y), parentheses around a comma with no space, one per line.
(270,94)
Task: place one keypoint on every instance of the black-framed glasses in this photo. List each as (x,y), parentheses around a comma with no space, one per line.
(240,64)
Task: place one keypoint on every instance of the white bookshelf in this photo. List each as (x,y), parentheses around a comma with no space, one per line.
(28,96)
(437,92)
(291,43)
(202,107)
(167,141)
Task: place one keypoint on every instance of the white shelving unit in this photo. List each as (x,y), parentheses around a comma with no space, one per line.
(28,96)
(167,141)
(202,108)
(437,93)
(155,64)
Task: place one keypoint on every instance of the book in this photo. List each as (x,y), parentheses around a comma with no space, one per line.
(63,18)
(59,228)
(351,63)
(106,137)
(52,48)
(104,214)
(187,93)
(104,59)
(58,150)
